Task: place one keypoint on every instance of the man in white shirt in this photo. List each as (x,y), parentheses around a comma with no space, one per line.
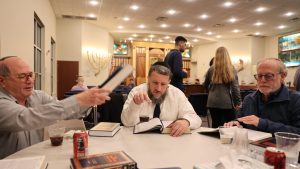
(157,93)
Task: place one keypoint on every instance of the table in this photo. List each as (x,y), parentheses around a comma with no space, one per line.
(150,150)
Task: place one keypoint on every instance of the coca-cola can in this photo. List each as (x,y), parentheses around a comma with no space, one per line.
(275,157)
(80,144)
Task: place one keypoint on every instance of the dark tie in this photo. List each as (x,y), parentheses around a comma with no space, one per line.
(156,110)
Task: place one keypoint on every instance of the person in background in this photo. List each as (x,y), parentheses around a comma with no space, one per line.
(80,86)
(24,112)
(131,83)
(272,108)
(174,61)
(221,82)
(159,99)
(297,79)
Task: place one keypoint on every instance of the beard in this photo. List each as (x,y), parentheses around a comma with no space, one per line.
(181,50)
(156,100)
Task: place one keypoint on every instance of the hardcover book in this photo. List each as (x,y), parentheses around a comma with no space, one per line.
(111,160)
(155,125)
(106,129)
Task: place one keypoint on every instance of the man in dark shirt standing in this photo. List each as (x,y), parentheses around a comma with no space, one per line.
(174,60)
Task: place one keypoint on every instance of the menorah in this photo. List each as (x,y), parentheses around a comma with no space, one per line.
(98,61)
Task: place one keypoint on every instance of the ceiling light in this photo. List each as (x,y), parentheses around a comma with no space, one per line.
(160,40)
(218,36)
(228,4)
(171,12)
(163,25)
(134,7)
(92,15)
(260,9)
(146,39)
(120,27)
(141,26)
(209,33)
(281,26)
(232,20)
(126,19)
(187,25)
(257,33)
(198,29)
(151,36)
(130,38)
(134,35)
(204,16)
(195,40)
(167,37)
(94,2)
(236,31)
(258,24)
(289,14)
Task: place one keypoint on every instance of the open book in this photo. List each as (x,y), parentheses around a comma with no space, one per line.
(36,162)
(253,135)
(107,129)
(154,125)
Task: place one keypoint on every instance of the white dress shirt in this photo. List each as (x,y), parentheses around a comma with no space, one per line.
(175,106)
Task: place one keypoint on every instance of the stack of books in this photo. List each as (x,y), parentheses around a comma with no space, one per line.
(105,129)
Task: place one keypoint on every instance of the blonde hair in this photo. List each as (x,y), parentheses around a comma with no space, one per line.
(223,68)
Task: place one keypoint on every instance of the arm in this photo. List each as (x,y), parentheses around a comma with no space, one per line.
(235,91)
(177,66)
(207,80)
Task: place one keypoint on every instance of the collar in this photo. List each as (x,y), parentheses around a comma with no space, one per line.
(281,94)
(4,94)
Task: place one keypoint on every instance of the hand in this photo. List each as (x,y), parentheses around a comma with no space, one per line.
(232,123)
(93,96)
(253,120)
(139,98)
(237,107)
(178,127)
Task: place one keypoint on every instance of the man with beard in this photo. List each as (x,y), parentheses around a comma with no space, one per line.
(174,61)
(157,98)
(273,107)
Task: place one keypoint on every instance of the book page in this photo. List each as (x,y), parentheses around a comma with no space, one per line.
(254,135)
(37,162)
(152,124)
(106,126)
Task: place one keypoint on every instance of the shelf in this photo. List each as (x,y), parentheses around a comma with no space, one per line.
(290,50)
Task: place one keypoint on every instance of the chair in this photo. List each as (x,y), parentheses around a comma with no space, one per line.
(73,124)
(198,101)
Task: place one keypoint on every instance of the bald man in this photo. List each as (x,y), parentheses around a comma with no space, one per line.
(25,111)
(273,107)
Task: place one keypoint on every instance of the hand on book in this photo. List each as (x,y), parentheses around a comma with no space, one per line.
(252,120)
(141,97)
(178,127)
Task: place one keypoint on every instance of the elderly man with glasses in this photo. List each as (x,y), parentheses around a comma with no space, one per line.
(273,107)
(24,112)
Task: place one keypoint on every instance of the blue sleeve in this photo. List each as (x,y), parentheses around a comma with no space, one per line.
(177,67)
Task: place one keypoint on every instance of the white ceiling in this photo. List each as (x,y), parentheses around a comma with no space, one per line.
(110,14)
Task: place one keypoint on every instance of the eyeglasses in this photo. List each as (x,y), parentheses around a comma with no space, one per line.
(25,76)
(267,77)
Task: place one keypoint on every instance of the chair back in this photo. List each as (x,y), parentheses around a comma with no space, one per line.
(198,101)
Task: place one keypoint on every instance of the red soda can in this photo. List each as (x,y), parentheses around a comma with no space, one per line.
(80,144)
(275,157)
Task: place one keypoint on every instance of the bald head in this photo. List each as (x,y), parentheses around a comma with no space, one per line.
(8,63)
(276,62)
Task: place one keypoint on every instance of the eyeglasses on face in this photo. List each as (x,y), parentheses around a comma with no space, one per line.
(25,76)
(267,76)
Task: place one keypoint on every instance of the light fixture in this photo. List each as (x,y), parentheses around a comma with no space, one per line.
(236,31)
(281,27)
(171,11)
(92,15)
(260,9)
(228,4)
(203,16)
(167,37)
(126,18)
(258,23)
(186,25)
(232,20)
(195,40)
(198,29)
(120,27)
(289,14)
(93,2)
(134,35)
(257,33)
(163,25)
(134,7)
(218,36)
(209,33)
(141,26)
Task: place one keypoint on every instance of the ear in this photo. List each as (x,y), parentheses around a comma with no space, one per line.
(2,79)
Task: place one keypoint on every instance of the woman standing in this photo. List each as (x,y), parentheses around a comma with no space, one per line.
(221,82)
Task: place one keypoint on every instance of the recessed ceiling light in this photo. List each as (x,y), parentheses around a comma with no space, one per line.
(120,27)
(209,33)
(167,37)
(228,4)
(187,25)
(92,15)
(281,26)
(218,36)
(163,25)
(93,2)
(258,23)
(134,7)
(134,35)
(257,33)
(126,18)
(198,29)
(289,14)
(171,11)
(236,31)
(151,36)
(146,39)
(232,20)
(204,16)
(141,26)
(130,38)
(260,9)
(160,40)
(195,40)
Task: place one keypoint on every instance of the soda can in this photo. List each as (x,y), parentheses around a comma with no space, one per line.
(80,144)
(275,157)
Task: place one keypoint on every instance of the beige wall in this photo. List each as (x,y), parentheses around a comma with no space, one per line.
(16,31)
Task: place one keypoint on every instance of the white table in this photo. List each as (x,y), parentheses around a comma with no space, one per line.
(148,150)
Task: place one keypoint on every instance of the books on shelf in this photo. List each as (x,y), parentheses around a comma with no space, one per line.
(155,125)
(105,129)
(111,160)
(253,135)
(36,162)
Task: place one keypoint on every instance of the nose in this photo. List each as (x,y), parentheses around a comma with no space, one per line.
(158,88)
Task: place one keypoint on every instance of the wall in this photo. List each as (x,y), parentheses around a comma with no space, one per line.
(17,29)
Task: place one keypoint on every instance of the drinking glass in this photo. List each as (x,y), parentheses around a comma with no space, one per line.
(56,134)
(289,143)
(226,135)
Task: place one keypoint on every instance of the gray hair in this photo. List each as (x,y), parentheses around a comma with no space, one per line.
(4,70)
(160,70)
(281,66)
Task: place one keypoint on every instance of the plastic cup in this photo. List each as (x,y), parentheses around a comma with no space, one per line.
(226,135)
(56,134)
